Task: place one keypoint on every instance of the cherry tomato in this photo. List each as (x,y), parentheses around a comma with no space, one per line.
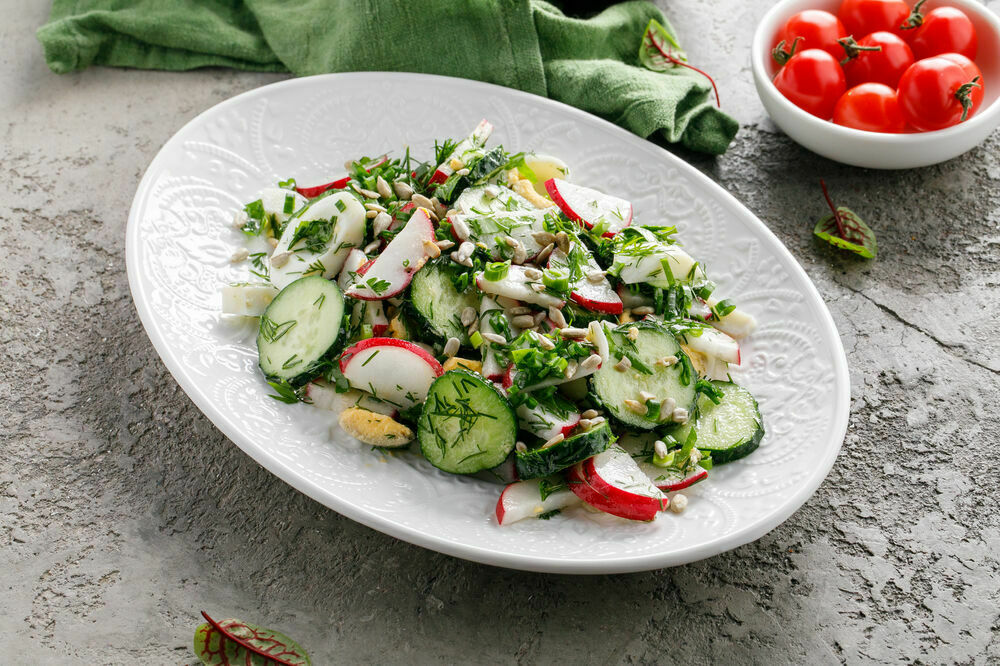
(944,30)
(812,80)
(884,66)
(970,68)
(939,92)
(863,17)
(872,107)
(817,30)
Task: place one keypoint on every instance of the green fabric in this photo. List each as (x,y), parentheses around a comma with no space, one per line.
(526,44)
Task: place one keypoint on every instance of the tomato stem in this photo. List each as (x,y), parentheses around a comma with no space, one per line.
(964,96)
(915,19)
(836,213)
(677,61)
(853,49)
(780,55)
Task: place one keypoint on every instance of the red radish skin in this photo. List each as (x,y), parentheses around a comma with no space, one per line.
(586,482)
(478,138)
(667,486)
(345,358)
(597,297)
(522,499)
(339,184)
(401,258)
(559,190)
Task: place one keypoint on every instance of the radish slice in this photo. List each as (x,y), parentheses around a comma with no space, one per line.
(371,313)
(490,229)
(468,147)
(669,482)
(545,423)
(644,263)
(612,482)
(523,499)
(349,224)
(490,198)
(323,395)
(738,323)
(597,296)
(589,206)
(392,270)
(632,299)
(517,286)
(316,190)
(715,344)
(492,369)
(395,371)
(349,272)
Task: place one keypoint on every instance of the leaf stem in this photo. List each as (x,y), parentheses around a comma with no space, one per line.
(677,61)
(242,643)
(836,213)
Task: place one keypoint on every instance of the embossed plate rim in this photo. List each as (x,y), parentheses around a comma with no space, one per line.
(225,421)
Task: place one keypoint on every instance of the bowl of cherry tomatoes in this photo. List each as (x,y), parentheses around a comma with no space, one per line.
(884,84)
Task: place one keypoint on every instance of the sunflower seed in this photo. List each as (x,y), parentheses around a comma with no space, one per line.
(445,244)
(556,315)
(646,396)
(240,219)
(667,406)
(491,191)
(659,449)
(596,276)
(422,201)
(279,259)
(585,424)
(543,238)
(678,503)
(518,310)
(240,255)
(473,327)
(562,241)
(591,362)
(520,447)
(432,250)
(368,194)
(465,250)
(623,365)
(642,311)
(460,228)
(462,172)
(468,315)
(370,214)
(589,414)
(532,274)
(537,287)
(494,338)
(520,255)
(636,407)
(273,242)
(523,321)
(451,347)
(633,333)
(572,332)
(539,318)
(381,223)
(456,163)
(383,188)
(546,343)
(666,361)
(403,190)
(371,247)
(439,208)
(555,440)
(680,415)
(571,368)
(375,207)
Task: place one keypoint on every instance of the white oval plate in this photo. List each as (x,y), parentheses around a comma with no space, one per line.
(179,242)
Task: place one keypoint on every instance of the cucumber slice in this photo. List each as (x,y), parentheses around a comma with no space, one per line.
(612,387)
(729,430)
(437,305)
(466,425)
(543,462)
(299,328)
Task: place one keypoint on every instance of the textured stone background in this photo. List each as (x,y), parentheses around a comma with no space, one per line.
(123,511)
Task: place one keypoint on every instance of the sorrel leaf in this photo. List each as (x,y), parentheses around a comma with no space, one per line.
(851,234)
(659,48)
(231,642)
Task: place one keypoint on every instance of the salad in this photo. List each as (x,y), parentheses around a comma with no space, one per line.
(485,311)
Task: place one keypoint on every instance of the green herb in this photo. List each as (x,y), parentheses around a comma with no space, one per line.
(378,286)
(257,218)
(271,331)
(547,487)
(236,642)
(289,204)
(285,391)
(844,229)
(315,233)
(496,270)
(340,205)
(287,184)
(549,514)
(260,269)
(476,339)
(556,280)
(723,308)
(708,390)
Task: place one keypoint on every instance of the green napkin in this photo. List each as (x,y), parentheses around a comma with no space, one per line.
(531,45)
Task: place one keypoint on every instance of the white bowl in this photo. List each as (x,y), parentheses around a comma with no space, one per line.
(874,149)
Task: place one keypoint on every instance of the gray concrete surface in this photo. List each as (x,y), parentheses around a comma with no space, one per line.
(123,511)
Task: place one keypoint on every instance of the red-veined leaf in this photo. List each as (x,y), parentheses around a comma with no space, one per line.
(230,642)
(856,235)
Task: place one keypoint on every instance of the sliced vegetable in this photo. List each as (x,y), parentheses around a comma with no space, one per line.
(612,482)
(438,305)
(394,371)
(534,498)
(518,286)
(491,230)
(729,430)
(468,148)
(590,289)
(535,463)
(247,300)
(466,425)
(608,213)
(299,329)
(393,269)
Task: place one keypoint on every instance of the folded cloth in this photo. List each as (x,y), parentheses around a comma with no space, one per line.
(526,44)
